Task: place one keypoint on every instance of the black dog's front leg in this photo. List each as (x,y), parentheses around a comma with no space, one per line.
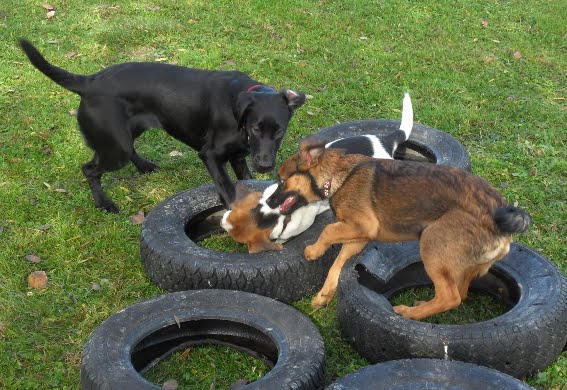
(216,166)
(240,168)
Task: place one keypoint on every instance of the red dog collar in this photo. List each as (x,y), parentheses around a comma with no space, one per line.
(258,86)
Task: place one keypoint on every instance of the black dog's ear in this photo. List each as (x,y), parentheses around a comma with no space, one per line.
(294,99)
(243,104)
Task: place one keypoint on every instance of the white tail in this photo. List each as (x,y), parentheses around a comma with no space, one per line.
(407,116)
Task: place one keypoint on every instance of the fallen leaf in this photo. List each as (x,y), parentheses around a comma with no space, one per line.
(50,14)
(61,190)
(175,153)
(53,42)
(363,38)
(516,204)
(73,112)
(46,150)
(47,185)
(230,62)
(37,279)
(308,96)
(48,7)
(44,227)
(517,54)
(153,7)
(185,353)
(71,54)
(310,113)
(484,23)
(95,287)
(137,218)
(33,258)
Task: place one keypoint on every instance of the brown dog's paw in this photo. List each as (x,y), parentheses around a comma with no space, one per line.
(320,301)
(403,310)
(311,253)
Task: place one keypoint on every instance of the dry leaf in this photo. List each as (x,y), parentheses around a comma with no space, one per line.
(73,112)
(310,113)
(33,258)
(50,14)
(47,185)
(175,153)
(61,190)
(230,62)
(137,218)
(44,227)
(153,7)
(48,7)
(37,279)
(71,54)
(484,23)
(517,54)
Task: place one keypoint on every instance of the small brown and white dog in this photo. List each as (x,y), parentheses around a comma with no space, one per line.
(463,223)
(253,222)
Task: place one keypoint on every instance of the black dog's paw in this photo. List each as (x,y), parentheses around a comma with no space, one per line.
(146,167)
(110,208)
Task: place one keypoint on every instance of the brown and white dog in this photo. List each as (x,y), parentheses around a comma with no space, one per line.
(253,222)
(463,223)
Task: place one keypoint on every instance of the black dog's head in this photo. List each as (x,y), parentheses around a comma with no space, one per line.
(263,116)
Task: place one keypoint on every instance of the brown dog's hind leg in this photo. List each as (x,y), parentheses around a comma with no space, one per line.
(444,251)
(324,296)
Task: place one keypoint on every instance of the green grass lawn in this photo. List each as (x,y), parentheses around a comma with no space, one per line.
(491,73)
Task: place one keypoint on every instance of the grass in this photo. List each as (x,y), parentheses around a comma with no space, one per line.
(491,73)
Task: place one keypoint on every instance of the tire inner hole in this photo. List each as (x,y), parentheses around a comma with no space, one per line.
(489,297)
(180,351)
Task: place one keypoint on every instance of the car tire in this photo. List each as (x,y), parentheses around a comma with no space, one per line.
(431,374)
(424,144)
(173,259)
(136,338)
(520,342)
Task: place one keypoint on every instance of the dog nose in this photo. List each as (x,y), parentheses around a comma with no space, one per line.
(263,163)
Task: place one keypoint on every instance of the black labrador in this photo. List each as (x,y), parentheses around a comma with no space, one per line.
(224,115)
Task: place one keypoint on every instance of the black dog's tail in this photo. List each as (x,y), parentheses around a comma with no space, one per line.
(511,219)
(72,82)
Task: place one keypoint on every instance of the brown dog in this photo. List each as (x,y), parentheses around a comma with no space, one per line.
(463,223)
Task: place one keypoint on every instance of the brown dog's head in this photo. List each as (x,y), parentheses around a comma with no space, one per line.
(241,222)
(298,177)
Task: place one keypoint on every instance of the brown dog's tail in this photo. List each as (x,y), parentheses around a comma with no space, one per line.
(511,219)
(72,82)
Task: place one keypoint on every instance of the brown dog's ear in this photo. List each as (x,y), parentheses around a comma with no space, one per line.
(294,99)
(310,149)
(263,244)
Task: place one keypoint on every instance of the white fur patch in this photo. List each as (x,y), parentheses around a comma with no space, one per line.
(224,222)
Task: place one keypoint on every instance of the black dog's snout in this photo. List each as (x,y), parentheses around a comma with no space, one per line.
(263,163)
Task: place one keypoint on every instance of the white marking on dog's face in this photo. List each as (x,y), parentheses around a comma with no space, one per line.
(224,221)
(265,209)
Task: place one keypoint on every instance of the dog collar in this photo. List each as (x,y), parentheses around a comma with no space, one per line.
(327,188)
(252,88)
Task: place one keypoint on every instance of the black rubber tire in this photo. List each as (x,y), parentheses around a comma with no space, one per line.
(431,374)
(522,341)
(424,144)
(175,262)
(138,337)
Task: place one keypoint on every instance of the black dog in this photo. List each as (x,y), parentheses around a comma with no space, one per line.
(224,115)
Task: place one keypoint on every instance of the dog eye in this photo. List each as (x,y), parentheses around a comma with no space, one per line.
(279,132)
